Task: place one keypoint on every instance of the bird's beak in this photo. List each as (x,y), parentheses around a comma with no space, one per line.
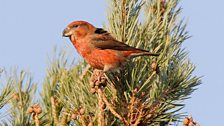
(67,32)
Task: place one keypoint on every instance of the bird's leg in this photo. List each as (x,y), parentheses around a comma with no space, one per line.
(100,75)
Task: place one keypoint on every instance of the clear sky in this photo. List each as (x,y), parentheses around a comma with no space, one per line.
(30,29)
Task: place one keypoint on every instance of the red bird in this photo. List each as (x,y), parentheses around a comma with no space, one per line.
(99,48)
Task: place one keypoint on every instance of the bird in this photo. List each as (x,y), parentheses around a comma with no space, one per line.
(99,48)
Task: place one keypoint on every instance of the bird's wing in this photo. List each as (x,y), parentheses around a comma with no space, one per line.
(103,40)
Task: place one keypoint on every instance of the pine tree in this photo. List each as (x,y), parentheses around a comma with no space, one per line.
(147,91)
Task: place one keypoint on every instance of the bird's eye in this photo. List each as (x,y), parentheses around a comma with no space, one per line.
(75,26)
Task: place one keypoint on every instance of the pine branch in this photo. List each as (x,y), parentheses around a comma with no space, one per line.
(151,87)
(101,107)
(140,115)
(82,117)
(5,97)
(24,90)
(111,108)
(131,108)
(36,118)
(64,118)
(90,120)
(6,94)
(54,110)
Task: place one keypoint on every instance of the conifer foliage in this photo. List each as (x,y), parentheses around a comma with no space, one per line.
(147,91)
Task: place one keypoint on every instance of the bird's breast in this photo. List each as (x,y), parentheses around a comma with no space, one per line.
(83,49)
(100,58)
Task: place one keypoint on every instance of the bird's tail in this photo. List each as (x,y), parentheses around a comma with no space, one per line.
(148,54)
(136,53)
(133,55)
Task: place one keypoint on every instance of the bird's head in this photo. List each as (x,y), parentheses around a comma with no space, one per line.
(78,29)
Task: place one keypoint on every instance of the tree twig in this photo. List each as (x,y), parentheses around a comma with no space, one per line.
(140,115)
(131,108)
(82,117)
(101,112)
(90,121)
(63,120)
(36,119)
(111,108)
(54,110)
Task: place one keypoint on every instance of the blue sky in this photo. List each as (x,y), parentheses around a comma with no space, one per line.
(30,29)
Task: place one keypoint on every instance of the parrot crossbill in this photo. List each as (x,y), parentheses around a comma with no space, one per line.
(99,48)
